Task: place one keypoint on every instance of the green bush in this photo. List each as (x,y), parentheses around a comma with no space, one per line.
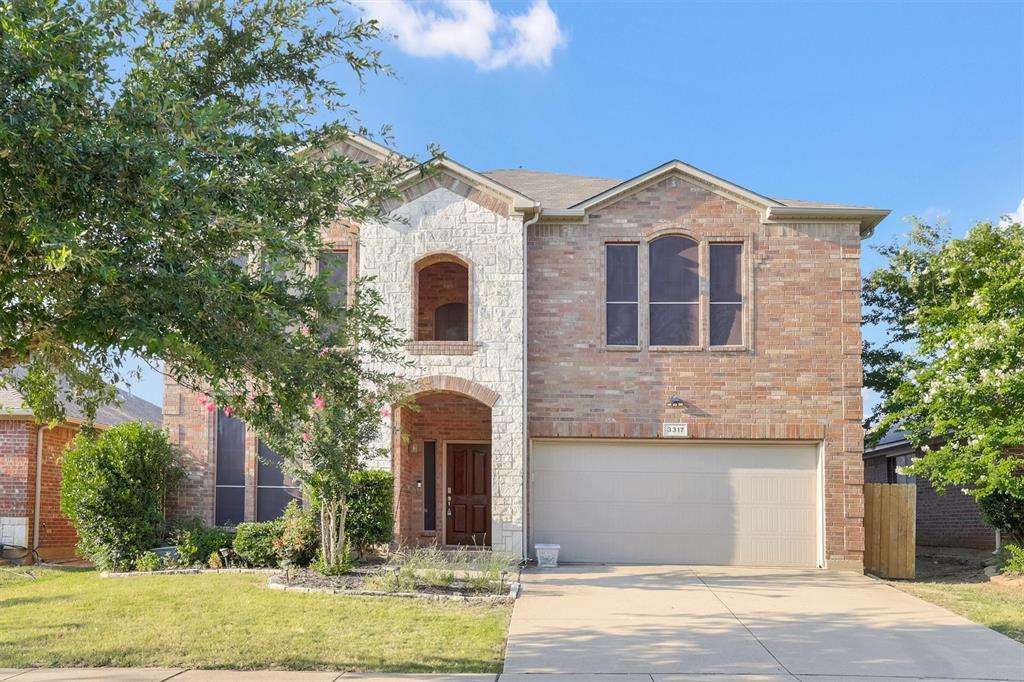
(1014,559)
(195,543)
(1005,512)
(113,486)
(300,536)
(148,561)
(370,520)
(254,542)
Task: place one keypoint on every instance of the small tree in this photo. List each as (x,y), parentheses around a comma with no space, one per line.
(951,368)
(113,487)
(350,371)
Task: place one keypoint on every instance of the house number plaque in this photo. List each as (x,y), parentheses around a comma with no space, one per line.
(675,430)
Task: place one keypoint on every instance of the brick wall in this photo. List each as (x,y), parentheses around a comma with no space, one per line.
(438,284)
(799,378)
(57,536)
(950,520)
(442,418)
(17,439)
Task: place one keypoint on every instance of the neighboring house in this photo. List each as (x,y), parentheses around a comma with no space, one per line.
(30,453)
(664,369)
(948,520)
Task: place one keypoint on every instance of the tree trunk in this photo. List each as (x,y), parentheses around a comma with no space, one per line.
(333,513)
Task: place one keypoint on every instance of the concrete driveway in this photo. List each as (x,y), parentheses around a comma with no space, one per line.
(774,624)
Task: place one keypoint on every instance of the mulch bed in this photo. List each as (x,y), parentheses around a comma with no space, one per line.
(354,583)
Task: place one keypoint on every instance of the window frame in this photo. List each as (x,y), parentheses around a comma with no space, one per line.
(704,243)
(744,301)
(430,346)
(348,269)
(701,294)
(640,326)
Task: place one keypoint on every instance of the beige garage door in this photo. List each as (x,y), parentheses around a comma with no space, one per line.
(676,503)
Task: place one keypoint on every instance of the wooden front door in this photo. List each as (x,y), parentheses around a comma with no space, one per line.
(468,495)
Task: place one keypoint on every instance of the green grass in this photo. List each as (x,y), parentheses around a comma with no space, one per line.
(75,618)
(999,606)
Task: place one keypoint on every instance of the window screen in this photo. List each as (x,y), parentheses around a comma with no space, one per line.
(334,265)
(229,504)
(274,490)
(674,291)
(726,294)
(451,322)
(622,290)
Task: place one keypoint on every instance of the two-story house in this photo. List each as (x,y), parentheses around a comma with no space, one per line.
(659,370)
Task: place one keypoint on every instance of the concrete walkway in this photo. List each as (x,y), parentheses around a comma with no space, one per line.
(676,624)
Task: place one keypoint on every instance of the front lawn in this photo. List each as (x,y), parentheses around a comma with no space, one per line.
(67,617)
(999,606)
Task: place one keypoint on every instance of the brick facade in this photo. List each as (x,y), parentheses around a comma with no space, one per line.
(442,418)
(18,487)
(799,377)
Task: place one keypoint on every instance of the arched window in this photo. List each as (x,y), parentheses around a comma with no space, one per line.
(442,299)
(674,294)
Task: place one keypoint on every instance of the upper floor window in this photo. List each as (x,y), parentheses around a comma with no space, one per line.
(682,296)
(622,295)
(334,264)
(442,299)
(674,292)
(725,295)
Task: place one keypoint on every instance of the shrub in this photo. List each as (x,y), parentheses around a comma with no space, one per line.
(113,486)
(1005,512)
(254,542)
(370,518)
(148,561)
(1014,559)
(300,536)
(195,543)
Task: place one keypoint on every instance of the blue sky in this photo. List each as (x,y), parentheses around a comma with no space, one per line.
(917,107)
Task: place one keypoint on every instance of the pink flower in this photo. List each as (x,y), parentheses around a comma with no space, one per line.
(384,411)
(305,330)
(210,407)
(251,396)
(228,410)
(318,402)
(202,400)
(324,351)
(306,437)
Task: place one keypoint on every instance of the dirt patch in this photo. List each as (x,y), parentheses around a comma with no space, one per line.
(374,582)
(951,565)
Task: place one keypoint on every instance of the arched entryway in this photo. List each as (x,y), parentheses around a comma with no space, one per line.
(442,466)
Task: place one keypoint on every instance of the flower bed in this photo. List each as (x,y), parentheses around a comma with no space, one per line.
(463,586)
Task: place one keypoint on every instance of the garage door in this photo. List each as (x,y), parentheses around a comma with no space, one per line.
(676,503)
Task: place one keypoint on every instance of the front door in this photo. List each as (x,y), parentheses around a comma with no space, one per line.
(468,495)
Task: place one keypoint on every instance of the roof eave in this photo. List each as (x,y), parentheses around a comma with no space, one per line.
(520,202)
(869,218)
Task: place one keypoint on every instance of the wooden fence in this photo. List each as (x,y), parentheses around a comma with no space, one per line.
(890,529)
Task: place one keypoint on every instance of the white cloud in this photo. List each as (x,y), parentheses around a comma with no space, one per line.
(470,29)
(1015,217)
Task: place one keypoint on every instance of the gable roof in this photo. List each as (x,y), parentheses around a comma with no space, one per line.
(564,196)
(125,408)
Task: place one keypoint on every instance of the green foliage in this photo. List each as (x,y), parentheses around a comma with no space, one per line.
(370,518)
(149,153)
(195,543)
(113,487)
(148,561)
(1005,512)
(951,367)
(1014,561)
(254,543)
(299,540)
(339,566)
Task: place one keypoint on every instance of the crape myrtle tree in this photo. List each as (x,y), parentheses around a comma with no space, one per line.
(950,369)
(163,182)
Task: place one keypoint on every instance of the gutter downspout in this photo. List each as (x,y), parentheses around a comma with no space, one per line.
(526,382)
(38,491)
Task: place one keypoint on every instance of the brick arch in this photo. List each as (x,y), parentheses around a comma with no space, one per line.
(670,232)
(444,382)
(433,257)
